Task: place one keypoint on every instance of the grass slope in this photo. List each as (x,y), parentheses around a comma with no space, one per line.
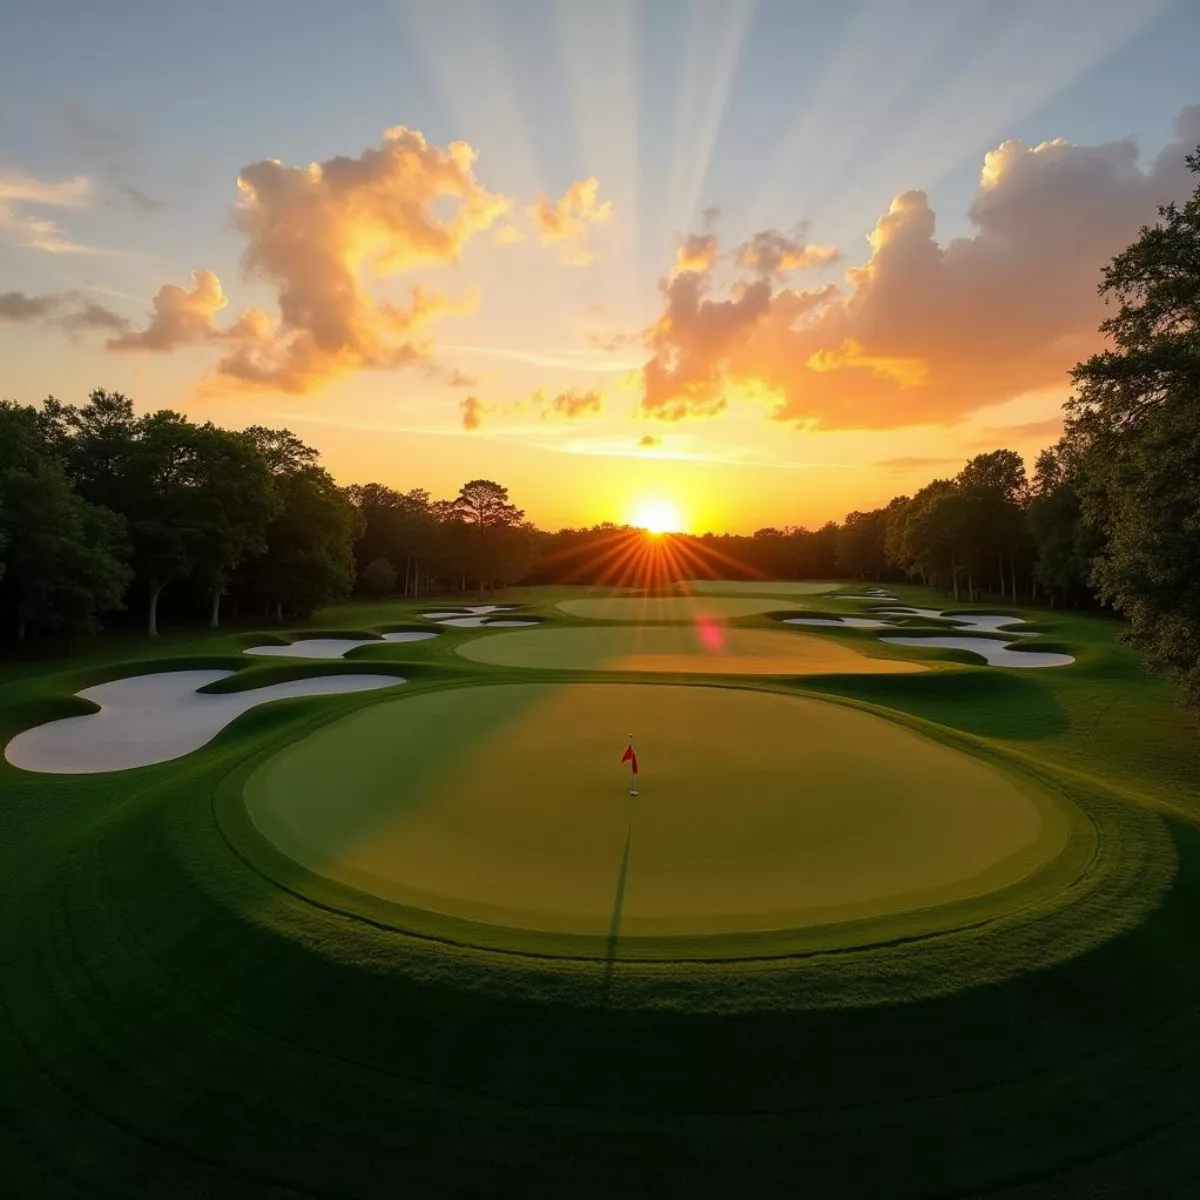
(173,1023)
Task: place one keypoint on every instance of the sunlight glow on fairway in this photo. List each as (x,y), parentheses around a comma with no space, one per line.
(657,516)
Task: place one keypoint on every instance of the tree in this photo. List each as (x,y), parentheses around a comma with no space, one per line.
(860,544)
(308,561)
(992,488)
(234,500)
(377,578)
(485,507)
(1065,544)
(64,560)
(1134,428)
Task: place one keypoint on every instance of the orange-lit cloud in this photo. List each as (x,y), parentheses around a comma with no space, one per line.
(565,221)
(772,253)
(575,404)
(925,330)
(696,253)
(312,233)
(647,440)
(181,315)
(472,412)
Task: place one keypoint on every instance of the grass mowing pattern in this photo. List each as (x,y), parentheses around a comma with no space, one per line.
(172,1023)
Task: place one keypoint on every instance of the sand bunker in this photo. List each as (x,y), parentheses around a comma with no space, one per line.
(641,610)
(485,623)
(335,647)
(976,622)
(506,804)
(704,648)
(996,653)
(152,718)
(841,622)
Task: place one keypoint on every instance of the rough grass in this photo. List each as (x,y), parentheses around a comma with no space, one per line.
(172,1023)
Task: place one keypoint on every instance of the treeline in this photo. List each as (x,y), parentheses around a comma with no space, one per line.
(989,530)
(102,510)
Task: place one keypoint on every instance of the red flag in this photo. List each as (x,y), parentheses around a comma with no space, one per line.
(630,757)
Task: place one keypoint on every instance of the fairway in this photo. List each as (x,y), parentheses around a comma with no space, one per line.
(686,649)
(759,587)
(672,608)
(506,805)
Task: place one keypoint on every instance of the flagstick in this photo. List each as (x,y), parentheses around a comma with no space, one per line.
(632,771)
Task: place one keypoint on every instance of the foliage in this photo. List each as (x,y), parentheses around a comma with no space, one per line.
(1134,429)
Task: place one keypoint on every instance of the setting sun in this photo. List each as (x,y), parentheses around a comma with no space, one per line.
(658,516)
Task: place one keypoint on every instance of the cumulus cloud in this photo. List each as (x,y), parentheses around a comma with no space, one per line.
(19,191)
(181,315)
(565,221)
(925,330)
(69,310)
(575,404)
(313,233)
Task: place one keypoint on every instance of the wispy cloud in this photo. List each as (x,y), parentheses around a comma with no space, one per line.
(19,192)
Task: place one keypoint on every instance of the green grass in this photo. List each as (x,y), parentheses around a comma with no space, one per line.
(175,1023)
(502,804)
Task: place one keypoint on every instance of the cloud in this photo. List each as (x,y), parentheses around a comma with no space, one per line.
(17,306)
(112,147)
(696,253)
(472,412)
(313,233)
(139,199)
(181,316)
(18,191)
(576,404)
(457,378)
(69,310)
(925,331)
(565,220)
(772,253)
(647,440)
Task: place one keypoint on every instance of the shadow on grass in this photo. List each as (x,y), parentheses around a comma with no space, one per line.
(987,703)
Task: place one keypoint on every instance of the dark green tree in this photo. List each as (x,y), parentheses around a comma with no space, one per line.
(1134,427)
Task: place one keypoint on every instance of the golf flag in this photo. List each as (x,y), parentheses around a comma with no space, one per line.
(630,757)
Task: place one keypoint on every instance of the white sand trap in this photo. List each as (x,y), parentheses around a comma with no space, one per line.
(976,622)
(843,622)
(336,647)
(484,622)
(874,597)
(152,718)
(997,653)
(467,610)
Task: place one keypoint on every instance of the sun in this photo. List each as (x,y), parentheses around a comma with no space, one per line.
(657,517)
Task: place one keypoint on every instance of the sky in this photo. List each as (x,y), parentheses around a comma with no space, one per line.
(759,263)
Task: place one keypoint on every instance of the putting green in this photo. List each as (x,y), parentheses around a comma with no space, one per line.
(641,609)
(506,805)
(759,587)
(701,648)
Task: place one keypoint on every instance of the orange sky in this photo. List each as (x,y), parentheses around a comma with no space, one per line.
(445,299)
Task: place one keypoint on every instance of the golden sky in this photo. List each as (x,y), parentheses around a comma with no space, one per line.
(573,275)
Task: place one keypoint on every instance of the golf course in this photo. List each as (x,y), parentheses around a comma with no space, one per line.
(882,919)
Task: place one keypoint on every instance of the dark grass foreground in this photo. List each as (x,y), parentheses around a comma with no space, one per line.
(173,1024)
